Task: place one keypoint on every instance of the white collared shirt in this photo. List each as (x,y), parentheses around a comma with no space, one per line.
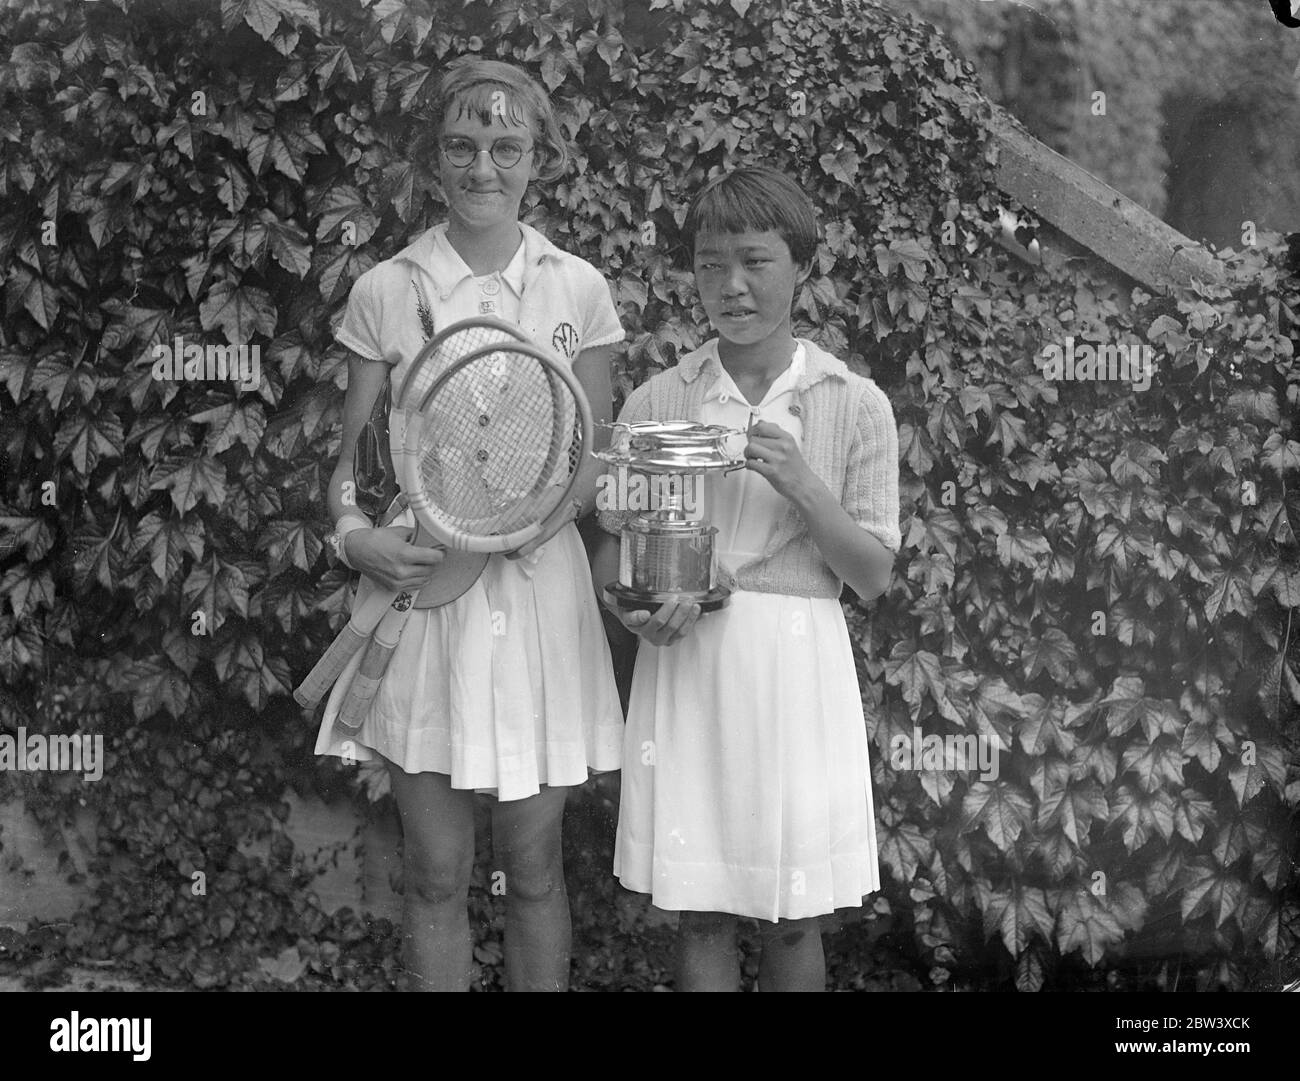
(559,300)
(496,294)
(743,505)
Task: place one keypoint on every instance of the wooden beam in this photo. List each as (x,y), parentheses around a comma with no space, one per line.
(1112,226)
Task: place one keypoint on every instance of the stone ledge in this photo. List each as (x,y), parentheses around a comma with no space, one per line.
(1095,215)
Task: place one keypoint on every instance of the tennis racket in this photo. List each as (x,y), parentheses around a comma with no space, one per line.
(458,571)
(487,458)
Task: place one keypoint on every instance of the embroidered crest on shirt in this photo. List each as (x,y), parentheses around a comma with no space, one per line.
(565,339)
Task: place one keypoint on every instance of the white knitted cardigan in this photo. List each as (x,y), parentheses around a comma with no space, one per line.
(850,441)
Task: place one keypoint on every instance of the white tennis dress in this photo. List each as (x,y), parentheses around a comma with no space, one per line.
(746,783)
(511,686)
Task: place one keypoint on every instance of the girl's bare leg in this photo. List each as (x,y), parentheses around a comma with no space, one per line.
(437,863)
(526,840)
(706,952)
(792,959)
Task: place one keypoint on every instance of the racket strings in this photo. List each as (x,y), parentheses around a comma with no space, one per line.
(497,439)
(456,345)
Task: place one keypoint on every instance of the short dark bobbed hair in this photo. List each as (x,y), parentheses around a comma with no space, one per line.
(754,198)
(472,85)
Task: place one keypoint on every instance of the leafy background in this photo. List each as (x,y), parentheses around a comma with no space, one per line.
(1100,580)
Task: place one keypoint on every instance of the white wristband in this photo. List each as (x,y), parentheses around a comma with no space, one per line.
(347,524)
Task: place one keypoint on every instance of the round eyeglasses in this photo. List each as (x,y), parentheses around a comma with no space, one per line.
(506,153)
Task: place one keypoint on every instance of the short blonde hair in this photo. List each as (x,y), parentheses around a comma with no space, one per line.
(470,85)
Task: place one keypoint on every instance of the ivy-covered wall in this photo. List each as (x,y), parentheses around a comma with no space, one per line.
(1096,580)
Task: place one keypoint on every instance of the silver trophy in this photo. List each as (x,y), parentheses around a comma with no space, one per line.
(666,552)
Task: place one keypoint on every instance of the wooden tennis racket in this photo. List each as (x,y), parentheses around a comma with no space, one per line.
(487,458)
(458,571)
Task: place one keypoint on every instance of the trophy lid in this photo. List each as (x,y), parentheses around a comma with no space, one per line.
(673,446)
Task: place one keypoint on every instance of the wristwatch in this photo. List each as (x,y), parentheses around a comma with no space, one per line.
(346,525)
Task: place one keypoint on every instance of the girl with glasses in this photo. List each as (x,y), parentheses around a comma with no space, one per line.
(508,691)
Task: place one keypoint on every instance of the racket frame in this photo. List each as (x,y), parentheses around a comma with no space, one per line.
(406,429)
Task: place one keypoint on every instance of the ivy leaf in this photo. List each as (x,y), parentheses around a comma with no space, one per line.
(241,312)
(191,480)
(1285,581)
(154,684)
(20,648)
(937,784)
(1081,804)
(1136,464)
(1157,764)
(1127,705)
(907,254)
(1167,866)
(1257,917)
(1257,766)
(1229,592)
(915,672)
(334,61)
(1206,889)
(1191,814)
(1016,915)
(27,589)
(1029,972)
(1281,455)
(343,203)
(289,247)
(87,436)
(1051,652)
(242,664)
(244,239)
(178,132)
(290,544)
(262,15)
(95,556)
(232,423)
(286,148)
(232,186)
(1141,818)
(1001,808)
(32,534)
(217,587)
(843,166)
(1086,925)
(167,541)
(51,376)
(340,268)
(399,189)
(33,65)
(994,707)
(1041,728)
(903,849)
(38,297)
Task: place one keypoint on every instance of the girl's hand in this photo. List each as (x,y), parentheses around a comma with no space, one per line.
(387,556)
(773,453)
(669,625)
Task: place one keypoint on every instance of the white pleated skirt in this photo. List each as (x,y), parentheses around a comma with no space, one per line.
(746,782)
(504,690)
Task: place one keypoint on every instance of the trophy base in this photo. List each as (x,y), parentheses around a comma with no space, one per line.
(645,600)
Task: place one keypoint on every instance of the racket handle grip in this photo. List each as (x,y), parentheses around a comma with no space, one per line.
(321,678)
(361,692)
(365,684)
(360,626)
